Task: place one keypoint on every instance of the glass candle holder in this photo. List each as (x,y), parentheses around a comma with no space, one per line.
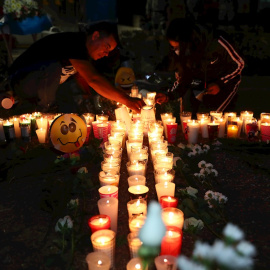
(165,188)
(167,165)
(172,216)
(265,131)
(213,129)
(215,115)
(104,241)
(204,121)
(201,115)
(17,128)
(136,180)
(110,177)
(183,117)
(168,201)
(165,122)
(148,114)
(25,127)
(193,129)
(116,145)
(99,222)
(98,261)
(222,127)
(136,223)
(251,128)
(159,152)
(105,166)
(166,262)
(232,131)
(108,191)
(164,175)
(9,130)
(109,206)
(136,168)
(102,117)
(134,243)
(112,159)
(89,118)
(2,132)
(129,144)
(103,131)
(137,207)
(113,153)
(171,128)
(138,192)
(135,264)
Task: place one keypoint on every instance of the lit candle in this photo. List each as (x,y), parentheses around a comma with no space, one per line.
(104,241)
(185,128)
(95,130)
(102,117)
(265,131)
(136,264)
(42,122)
(17,127)
(109,206)
(134,91)
(171,120)
(2,132)
(221,130)
(232,131)
(99,222)
(138,192)
(102,131)
(148,114)
(165,188)
(25,126)
(108,191)
(172,216)
(136,180)
(98,261)
(129,144)
(168,201)
(193,129)
(122,114)
(245,115)
(137,207)
(9,130)
(41,134)
(172,242)
(171,131)
(204,121)
(213,128)
(136,222)
(89,118)
(166,262)
(105,166)
(134,244)
(136,168)
(110,177)
(215,115)
(251,127)
(184,116)
(164,175)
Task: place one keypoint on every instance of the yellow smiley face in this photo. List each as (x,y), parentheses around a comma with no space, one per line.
(68,133)
(125,78)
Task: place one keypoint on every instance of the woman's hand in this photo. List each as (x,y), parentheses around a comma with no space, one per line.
(161,98)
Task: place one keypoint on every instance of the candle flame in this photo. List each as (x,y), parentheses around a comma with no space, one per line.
(169,198)
(138,266)
(138,203)
(171,214)
(165,260)
(100,220)
(99,262)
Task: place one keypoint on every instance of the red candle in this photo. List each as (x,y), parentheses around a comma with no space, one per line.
(168,201)
(172,242)
(99,222)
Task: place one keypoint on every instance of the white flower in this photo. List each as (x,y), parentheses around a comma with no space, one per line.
(209,165)
(206,147)
(191,154)
(232,231)
(74,202)
(175,160)
(83,170)
(193,222)
(184,263)
(202,164)
(246,249)
(203,250)
(192,191)
(66,221)
(215,172)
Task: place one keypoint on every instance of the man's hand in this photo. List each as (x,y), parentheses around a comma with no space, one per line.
(161,98)
(135,104)
(212,89)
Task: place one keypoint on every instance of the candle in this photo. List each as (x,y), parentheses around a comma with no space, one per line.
(134,243)
(245,115)
(102,117)
(99,222)
(136,168)
(136,222)
(172,242)
(2,132)
(138,192)
(165,188)
(164,175)
(136,264)
(109,206)
(122,114)
(89,118)
(204,121)
(137,207)
(165,122)
(110,177)
(129,144)
(25,126)
(9,130)
(222,124)
(105,166)
(213,128)
(201,115)
(151,95)
(42,122)
(171,128)
(265,131)
(104,241)
(102,131)
(172,216)
(239,123)
(98,261)
(148,114)
(168,201)
(41,134)
(108,191)
(215,115)
(17,127)
(117,146)
(136,180)
(166,115)
(166,262)
(183,117)
(185,128)
(193,129)
(232,131)
(95,130)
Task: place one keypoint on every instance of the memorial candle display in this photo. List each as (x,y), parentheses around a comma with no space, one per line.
(104,241)
(165,188)
(109,206)
(168,201)
(172,242)
(172,216)
(193,129)
(99,222)
(98,261)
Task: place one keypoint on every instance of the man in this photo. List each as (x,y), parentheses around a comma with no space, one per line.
(36,74)
(206,64)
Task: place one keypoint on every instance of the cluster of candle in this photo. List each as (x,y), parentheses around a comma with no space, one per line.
(25,126)
(219,125)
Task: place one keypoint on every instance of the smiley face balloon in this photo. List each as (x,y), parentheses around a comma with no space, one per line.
(68,133)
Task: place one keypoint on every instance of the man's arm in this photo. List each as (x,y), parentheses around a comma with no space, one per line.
(103,87)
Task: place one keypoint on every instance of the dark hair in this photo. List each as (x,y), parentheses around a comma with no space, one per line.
(180,29)
(105,28)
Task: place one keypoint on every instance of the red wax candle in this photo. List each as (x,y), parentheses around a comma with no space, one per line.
(168,201)
(172,242)
(99,222)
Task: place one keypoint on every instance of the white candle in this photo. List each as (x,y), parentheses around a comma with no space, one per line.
(221,131)
(136,264)
(136,180)
(135,223)
(109,206)
(104,241)
(41,134)
(216,115)
(137,207)
(136,168)
(265,131)
(2,132)
(245,115)
(204,128)
(108,191)
(98,261)
(164,175)
(129,144)
(165,188)
(110,177)
(134,244)
(172,216)
(17,127)
(193,128)
(183,117)
(122,114)
(166,262)
(148,114)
